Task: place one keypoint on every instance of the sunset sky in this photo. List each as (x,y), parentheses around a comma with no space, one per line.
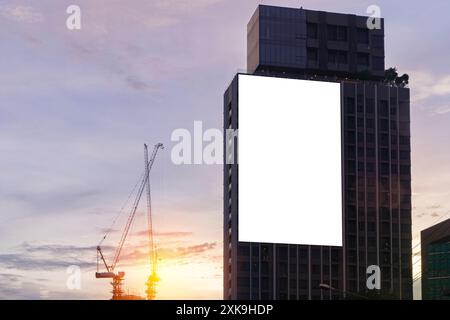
(77,106)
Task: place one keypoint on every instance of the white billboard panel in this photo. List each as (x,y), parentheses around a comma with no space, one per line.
(290,188)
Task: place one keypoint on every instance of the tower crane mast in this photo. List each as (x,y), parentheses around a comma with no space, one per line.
(153,277)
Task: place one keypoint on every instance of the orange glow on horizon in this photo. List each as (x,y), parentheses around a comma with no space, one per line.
(178,280)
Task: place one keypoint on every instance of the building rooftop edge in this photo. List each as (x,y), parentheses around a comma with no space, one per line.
(434,227)
(311,10)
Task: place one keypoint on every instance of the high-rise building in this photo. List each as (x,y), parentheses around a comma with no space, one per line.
(435,252)
(322,46)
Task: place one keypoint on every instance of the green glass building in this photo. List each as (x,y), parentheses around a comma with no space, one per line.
(436,262)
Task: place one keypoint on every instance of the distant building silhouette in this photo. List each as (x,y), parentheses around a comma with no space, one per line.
(435,251)
(306,44)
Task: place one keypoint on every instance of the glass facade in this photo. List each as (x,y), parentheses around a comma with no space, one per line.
(313,41)
(438,272)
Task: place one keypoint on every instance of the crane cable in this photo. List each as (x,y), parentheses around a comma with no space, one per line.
(121,211)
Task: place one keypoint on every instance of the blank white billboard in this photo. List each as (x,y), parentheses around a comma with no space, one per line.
(290,188)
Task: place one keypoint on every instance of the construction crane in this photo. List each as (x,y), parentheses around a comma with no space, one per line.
(118,277)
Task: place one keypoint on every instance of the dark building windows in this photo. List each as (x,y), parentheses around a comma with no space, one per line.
(311,30)
(394,169)
(370,106)
(384,140)
(370,123)
(405,170)
(362,35)
(384,168)
(337,56)
(393,127)
(312,54)
(370,138)
(363,59)
(350,137)
(404,155)
(360,122)
(351,152)
(337,33)
(404,140)
(378,63)
(436,273)
(349,105)
(404,110)
(377,41)
(371,152)
(350,121)
(383,125)
(383,108)
(384,154)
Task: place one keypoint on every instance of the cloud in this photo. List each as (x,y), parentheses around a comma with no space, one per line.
(48,257)
(194,250)
(15,287)
(22,291)
(103,231)
(183,5)
(441,110)
(151,15)
(136,83)
(171,234)
(35,41)
(426,85)
(21,13)
(9,277)
(40,257)
(434,214)
(122,60)
(180,253)
(420,215)
(30,272)
(144,233)
(56,249)
(158,22)
(19,261)
(72,295)
(174,234)
(50,199)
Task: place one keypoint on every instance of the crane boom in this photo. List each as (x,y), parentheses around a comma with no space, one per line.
(100,253)
(135,205)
